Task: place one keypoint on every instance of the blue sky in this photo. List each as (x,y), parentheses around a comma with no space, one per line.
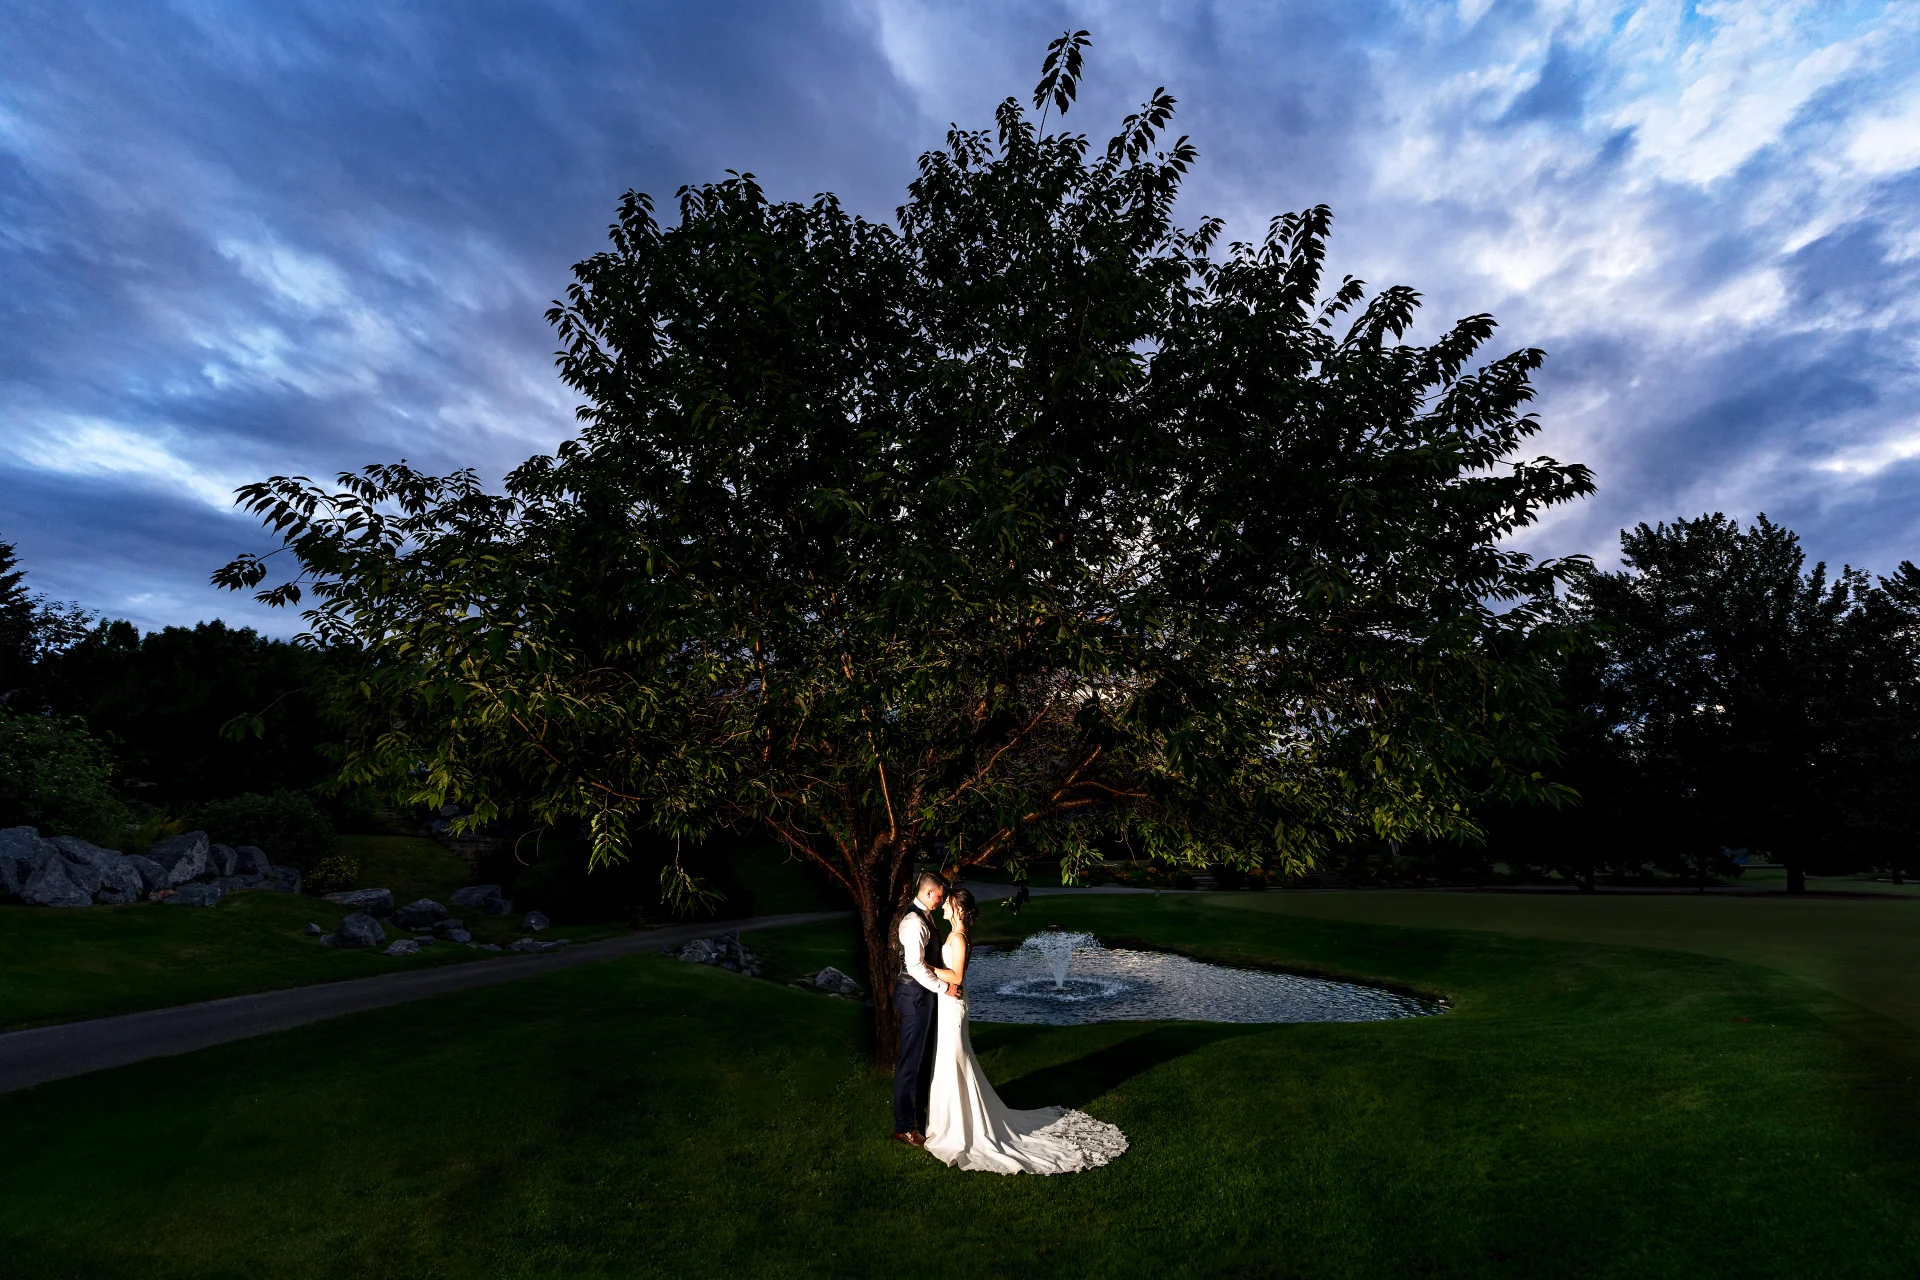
(238,240)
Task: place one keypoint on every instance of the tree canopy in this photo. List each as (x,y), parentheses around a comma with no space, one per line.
(1031,524)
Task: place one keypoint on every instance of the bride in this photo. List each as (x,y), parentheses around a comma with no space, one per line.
(968,1126)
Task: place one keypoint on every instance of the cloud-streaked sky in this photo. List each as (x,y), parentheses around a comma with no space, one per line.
(246,239)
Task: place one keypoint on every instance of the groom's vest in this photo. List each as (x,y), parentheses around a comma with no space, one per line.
(932,954)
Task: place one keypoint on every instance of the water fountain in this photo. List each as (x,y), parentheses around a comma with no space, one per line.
(1081,981)
(1058,948)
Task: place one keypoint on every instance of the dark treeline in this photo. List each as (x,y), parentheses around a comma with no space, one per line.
(105,725)
(1724,700)
(1723,697)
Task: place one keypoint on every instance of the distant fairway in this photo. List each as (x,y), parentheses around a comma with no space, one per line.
(1867,950)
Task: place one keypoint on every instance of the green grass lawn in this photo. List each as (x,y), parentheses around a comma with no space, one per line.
(58,966)
(1585,1110)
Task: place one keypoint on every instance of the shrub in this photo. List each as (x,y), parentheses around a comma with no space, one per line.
(287,824)
(331,874)
(54,776)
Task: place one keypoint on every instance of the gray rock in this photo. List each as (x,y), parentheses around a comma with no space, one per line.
(233,884)
(220,860)
(86,875)
(330,940)
(474,895)
(723,952)
(486,946)
(119,883)
(456,935)
(361,930)
(250,860)
(195,895)
(74,849)
(404,947)
(375,902)
(422,913)
(498,907)
(184,857)
(53,886)
(530,945)
(442,927)
(283,879)
(21,856)
(535,921)
(152,874)
(831,979)
(313,931)
(18,837)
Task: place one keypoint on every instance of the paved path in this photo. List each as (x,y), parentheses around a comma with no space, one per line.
(74,1048)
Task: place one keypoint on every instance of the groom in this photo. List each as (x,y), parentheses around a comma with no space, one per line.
(914,995)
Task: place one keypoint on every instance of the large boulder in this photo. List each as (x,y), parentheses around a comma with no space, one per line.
(535,921)
(477,896)
(18,837)
(283,879)
(22,852)
(250,860)
(74,849)
(233,884)
(422,913)
(87,875)
(184,857)
(375,902)
(404,947)
(152,874)
(835,982)
(120,882)
(53,885)
(195,895)
(220,860)
(360,930)
(457,935)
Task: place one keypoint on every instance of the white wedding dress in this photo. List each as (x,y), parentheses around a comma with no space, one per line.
(969,1127)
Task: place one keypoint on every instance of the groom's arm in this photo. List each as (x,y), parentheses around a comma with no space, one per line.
(913,945)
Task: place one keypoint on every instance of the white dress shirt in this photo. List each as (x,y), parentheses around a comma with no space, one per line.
(914,935)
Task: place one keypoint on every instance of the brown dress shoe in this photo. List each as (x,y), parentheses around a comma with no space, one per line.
(919,1138)
(912,1140)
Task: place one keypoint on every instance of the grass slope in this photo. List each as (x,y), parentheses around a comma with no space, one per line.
(1585,1111)
(59,966)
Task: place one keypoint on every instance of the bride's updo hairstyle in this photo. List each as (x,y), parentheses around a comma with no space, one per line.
(961,900)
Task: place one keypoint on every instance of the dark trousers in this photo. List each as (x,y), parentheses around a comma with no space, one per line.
(913,1072)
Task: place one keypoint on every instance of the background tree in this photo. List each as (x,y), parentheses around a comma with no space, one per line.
(1025,527)
(161,701)
(1759,703)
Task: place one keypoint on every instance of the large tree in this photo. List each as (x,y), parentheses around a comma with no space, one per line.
(1029,525)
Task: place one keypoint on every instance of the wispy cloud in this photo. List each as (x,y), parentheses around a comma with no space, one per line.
(237,239)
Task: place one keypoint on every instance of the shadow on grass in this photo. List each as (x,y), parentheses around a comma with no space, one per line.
(1076,1083)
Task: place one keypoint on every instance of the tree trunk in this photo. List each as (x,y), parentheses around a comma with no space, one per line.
(876,940)
(1796,878)
(882,892)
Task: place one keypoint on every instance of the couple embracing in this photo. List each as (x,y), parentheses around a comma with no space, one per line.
(941,1099)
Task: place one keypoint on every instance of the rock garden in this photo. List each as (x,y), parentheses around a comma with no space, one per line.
(185,870)
(425,923)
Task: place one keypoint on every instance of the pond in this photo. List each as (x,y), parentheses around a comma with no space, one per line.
(1065,979)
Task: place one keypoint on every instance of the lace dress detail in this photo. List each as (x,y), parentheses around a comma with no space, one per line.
(969,1127)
